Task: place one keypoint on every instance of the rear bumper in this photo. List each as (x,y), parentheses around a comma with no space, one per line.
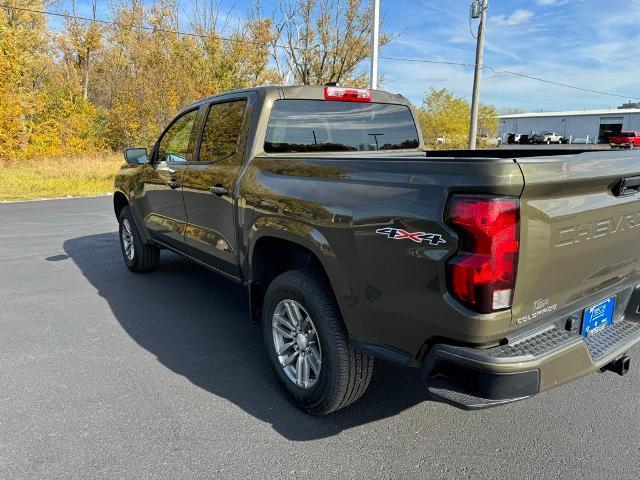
(473,378)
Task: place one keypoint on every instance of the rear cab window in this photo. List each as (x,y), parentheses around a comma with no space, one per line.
(332,126)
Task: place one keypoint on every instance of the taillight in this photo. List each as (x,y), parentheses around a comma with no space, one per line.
(483,273)
(347,94)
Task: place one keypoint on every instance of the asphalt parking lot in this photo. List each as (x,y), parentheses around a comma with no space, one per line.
(108,374)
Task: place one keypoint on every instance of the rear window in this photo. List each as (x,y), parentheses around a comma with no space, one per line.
(328,126)
(628,134)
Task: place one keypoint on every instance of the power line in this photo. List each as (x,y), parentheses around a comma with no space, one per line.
(141,27)
(275,45)
(509,72)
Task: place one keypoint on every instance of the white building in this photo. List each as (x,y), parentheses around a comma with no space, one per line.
(598,125)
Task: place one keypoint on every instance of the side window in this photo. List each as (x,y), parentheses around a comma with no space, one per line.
(177,143)
(222,131)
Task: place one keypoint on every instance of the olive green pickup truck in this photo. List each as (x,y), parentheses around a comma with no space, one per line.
(499,273)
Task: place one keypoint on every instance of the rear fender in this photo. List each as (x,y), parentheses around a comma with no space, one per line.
(308,237)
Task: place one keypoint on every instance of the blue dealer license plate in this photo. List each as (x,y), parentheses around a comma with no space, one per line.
(598,317)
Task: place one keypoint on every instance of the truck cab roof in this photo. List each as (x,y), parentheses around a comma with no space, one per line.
(303,92)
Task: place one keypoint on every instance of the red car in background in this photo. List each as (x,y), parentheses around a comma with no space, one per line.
(625,140)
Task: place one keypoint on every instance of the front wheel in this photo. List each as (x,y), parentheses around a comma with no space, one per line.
(138,256)
(308,347)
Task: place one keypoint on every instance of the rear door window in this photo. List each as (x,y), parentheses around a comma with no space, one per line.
(222,131)
(329,126)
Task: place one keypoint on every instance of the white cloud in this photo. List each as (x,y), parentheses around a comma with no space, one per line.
(516,18)
(586,45)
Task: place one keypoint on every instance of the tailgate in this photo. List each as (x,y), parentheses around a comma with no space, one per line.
(577,236)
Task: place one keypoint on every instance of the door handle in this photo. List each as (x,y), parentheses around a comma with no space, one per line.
(219,190)
(173,183)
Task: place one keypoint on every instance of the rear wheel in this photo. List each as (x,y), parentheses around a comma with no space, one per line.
(138,256)
(308,347)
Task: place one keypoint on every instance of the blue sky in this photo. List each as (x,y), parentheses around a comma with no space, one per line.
(587,43)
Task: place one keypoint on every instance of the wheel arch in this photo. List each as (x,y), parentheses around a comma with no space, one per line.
(275,248)
(120,201)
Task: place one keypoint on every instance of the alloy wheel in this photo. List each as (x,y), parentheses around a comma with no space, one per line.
(127,239)
(297,343)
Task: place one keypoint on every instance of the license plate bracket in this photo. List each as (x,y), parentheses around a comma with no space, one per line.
(598,317)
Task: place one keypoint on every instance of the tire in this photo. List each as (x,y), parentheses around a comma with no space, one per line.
(141,257)
(548,142)
(344,373)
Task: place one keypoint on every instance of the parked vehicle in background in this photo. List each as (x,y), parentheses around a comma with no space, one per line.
(513,138)
(547,138)
(525,139)
(354,243)
(486,141)
(625,140)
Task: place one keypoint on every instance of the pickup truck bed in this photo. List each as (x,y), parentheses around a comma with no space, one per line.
(500,273)
(577,228)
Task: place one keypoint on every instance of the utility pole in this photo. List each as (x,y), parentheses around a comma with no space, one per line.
(375,32)
(475,98)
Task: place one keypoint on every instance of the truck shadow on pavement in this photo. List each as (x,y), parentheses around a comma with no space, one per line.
(197,325)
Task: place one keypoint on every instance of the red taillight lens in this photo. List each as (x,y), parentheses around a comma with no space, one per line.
(483,273)
(347,94)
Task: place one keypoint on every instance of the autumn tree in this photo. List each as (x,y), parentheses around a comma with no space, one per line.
(236,58)
(80,43)
(118,80)
(319,41)
(40,114)
(446,117)
(24,64)
(149,70)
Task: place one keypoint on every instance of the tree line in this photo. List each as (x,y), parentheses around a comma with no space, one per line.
(91,85)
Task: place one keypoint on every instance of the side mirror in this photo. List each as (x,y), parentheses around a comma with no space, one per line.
(136,156)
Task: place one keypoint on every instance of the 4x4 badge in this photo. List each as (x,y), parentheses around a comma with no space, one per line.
(418,237)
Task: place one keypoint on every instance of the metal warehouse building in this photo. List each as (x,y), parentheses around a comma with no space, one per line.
(597,125)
